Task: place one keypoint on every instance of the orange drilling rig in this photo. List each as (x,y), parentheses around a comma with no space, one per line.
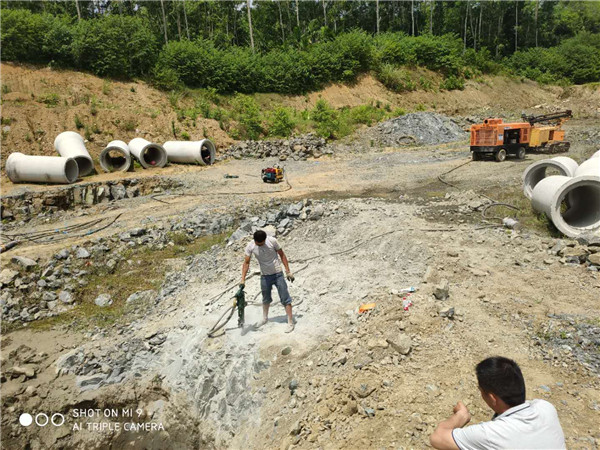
(536,133)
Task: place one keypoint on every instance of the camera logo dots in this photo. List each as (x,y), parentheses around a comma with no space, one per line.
(25,419)
(42,419)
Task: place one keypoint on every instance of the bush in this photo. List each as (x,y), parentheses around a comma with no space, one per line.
(50,100)
(576,60)
(35,37)
(78,122)
(248,117)
(365,114)
(326,119)
(281,123)
(451,83)
(116,46)
(395,78)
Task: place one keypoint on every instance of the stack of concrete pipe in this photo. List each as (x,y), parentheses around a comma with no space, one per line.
(572,199)
(75,161)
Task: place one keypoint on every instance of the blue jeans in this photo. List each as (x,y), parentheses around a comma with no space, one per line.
(266,286)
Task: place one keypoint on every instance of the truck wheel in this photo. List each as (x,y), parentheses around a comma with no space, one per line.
(500,155)
(476,156)
(521,153)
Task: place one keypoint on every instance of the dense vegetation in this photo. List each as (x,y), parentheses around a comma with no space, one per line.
(294,47)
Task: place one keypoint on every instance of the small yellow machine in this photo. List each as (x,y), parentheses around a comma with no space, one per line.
(272,174)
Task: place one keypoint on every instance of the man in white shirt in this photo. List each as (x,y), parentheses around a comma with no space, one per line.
(267,251)
(516,424)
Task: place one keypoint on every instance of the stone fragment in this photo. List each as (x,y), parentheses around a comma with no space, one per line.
(103,300)
(442,290)
(402,344)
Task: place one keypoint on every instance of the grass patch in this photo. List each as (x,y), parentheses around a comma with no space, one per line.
(129,125)
(146,270)
(50,100)
(527,217)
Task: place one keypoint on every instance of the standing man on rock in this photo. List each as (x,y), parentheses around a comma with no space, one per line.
(267,251)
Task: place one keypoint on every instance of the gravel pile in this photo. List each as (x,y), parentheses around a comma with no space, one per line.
(421,128)
(298,149)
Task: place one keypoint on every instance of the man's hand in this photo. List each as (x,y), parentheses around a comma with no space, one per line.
(243,284)
(462,413)
(441,438)
(290,277)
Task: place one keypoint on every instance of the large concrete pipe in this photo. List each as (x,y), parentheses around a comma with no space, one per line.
(590,167)
(22,168)
(596,155)
(195,152)
(115,157)
(537,171)
(71,145)
(148,153)
(573,204)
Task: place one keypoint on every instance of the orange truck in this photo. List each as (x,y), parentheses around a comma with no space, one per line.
(541,133)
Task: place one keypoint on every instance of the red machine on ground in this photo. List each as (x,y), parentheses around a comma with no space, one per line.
(498,139)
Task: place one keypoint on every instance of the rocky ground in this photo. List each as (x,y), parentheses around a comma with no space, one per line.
(118,319)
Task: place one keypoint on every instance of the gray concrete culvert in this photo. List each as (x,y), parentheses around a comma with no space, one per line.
(115,157)
(195,152)
(148,154)
(22,168)
(70,144)
(571,203)
(539,170)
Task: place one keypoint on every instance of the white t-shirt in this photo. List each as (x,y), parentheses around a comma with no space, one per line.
(530,425)
(266,255)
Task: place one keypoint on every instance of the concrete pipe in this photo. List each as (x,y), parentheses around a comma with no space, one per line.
(195,152)
(22,168)
(590,167)
(596,155)
(536,172)
(70,145)
(148,153)
(573,204)
(115,157)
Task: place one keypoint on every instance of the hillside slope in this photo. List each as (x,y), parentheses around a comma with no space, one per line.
(39,102)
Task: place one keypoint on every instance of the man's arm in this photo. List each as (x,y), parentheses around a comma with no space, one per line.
(245,268)
(284,260)
(441,438)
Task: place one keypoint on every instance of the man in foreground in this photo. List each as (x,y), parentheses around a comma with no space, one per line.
(516,424)
(267,251)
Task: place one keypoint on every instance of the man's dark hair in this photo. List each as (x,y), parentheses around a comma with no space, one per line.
(502,377)
(260,236)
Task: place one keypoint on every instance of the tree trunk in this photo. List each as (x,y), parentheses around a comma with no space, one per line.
(500,16)
(297,14)
(281,23)
(324,11)
(431,17)
(465,30)
(249,25)
(377,14)
(176,6)
(187,28)
(480,19)
(473,29)
(162,5)
(516,26)
(412,15)
(78,10)
(537,6)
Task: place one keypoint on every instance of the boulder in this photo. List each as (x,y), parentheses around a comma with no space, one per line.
(103,300)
